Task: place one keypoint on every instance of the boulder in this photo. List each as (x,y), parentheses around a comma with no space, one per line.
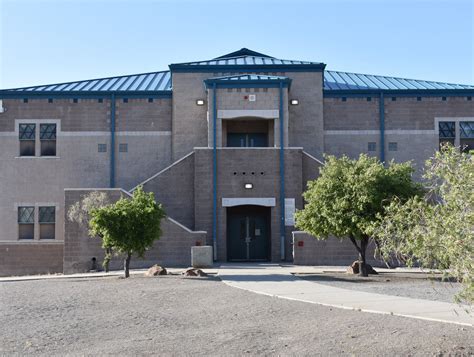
(156,270)
(194,272)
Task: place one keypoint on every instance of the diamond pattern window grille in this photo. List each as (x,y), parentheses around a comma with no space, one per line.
(467,129)
(47,214)
(26,215)
(48,131)
(446,129)
(27,131)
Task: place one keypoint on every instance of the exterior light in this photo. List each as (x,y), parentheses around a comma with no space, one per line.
(200,102)
(248,186)
(294,102)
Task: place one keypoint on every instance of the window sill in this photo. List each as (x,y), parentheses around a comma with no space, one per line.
(37,157)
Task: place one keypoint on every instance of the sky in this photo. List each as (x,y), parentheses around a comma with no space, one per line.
(44,42)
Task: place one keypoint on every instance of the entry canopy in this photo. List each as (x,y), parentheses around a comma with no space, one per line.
(249,81)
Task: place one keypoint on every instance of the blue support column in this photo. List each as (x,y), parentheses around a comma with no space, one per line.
(382,126)
(112,140)
(214,172)
(282,178)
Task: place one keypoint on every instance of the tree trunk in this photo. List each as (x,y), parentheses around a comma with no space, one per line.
(362,261)
(126,265)
(107,258)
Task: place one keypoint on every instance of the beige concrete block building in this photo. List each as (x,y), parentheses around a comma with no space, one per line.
(227,145)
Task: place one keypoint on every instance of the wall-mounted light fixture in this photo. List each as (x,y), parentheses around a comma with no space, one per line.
(294,102)
(248,186)
(200,102)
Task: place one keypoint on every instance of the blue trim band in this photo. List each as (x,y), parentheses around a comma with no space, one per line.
(382,126)
(248,68)
(84,94)
(214,172)
(282,179)
(328,93)
(112,141)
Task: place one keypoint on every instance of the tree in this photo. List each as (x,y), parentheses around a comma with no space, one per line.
(129,226)
(436,231)
(79,212)
(349,194)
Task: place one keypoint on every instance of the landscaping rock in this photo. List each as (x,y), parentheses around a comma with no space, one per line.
(354,268)
(194,272)
(156,270)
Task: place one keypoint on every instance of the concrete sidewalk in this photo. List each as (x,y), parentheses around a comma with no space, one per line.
(278,281)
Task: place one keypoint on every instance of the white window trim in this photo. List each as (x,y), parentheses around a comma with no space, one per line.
(37,122)
(457,130)
(37,205)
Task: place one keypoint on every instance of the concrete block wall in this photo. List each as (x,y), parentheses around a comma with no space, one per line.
(307,250)
(174,188)
(232,98)
(31,258)
(232,163)
(172,249)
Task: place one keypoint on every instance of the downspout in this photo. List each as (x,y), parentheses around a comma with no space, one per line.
(282,178)
(214,172)
(382,126)
(112,140)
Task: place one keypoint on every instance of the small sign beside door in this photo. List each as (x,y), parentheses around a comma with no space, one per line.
(289,211)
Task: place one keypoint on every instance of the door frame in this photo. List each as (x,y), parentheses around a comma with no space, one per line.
(250,209)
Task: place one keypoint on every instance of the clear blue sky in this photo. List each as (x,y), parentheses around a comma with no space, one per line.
(55,41)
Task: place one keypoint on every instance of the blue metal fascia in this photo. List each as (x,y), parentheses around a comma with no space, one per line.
(214,172)
(84,94)
(336,93)
(282,178)
(382,126)
(248,68)
(264,83)
(112,141)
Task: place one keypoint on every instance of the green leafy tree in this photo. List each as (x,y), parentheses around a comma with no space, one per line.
(129,226)
(436,231)
(349,194)
(79,212)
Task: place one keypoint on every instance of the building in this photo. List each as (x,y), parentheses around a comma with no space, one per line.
(227,145)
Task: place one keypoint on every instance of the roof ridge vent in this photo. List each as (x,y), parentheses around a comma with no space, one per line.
(243,52)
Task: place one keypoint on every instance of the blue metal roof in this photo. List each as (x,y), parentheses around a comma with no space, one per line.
(335,80)
(149,82)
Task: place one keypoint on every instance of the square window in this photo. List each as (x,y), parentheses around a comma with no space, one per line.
(418,99)
(394,99)
(123,147)
(75,100)
(100,100)
(369,99)
(50,100)
(238,90)
(27,136)
(466,129)
(344,99)
(371,146)
(443,99)
(265,90)
(150,100)
(25,100)
(393,146)
(469,98)
(102,147)
(125,100)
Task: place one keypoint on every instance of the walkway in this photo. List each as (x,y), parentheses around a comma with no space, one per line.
(278,281)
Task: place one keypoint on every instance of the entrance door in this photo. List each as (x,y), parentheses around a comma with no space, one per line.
(244,140)
(248,233)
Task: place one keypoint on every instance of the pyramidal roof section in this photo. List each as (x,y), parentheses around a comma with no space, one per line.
(243,52)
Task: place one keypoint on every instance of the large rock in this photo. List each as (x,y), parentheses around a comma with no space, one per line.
(194,272)
(156,270)
(354,268)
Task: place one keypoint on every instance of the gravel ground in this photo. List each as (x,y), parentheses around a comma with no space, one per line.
(172,315)
(414,285)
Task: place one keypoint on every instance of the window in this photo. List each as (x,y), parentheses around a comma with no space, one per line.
(344,99)
(371,146)
(27,136)
(50,100)
(123,147)
(125,100)
(75,100)
(392,146)
(102,147)
(466,135)
(26,222)
(150,100)
(369,99)
(47,222)
(447,132)
(48,139)
(100,100)
(394,99)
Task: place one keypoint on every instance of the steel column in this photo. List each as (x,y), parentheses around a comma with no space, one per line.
(282,178)
(382,126)
(112,140)
(214,172)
